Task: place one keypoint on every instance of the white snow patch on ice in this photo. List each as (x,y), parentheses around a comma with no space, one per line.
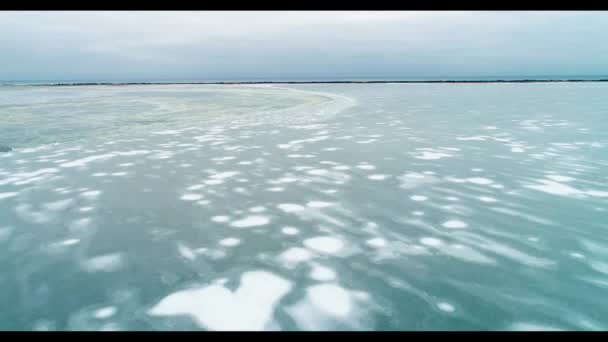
(324,244)
(250,221)
(214,307)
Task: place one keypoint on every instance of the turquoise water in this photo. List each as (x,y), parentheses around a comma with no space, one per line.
(309,207)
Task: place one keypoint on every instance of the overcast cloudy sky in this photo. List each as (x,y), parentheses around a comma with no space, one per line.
(283,45)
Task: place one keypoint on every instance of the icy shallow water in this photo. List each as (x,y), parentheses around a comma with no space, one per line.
(359,207)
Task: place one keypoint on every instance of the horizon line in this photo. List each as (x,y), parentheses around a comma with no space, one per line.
(56,84)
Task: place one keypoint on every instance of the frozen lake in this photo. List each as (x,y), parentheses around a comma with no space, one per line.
(305,207)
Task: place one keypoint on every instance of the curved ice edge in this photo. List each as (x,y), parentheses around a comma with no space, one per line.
(331,105)
(336,103)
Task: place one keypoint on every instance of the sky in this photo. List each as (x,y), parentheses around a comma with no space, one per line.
(216,45)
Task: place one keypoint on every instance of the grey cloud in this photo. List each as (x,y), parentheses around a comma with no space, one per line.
(73,45)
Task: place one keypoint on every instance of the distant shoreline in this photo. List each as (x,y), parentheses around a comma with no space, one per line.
(306,82)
